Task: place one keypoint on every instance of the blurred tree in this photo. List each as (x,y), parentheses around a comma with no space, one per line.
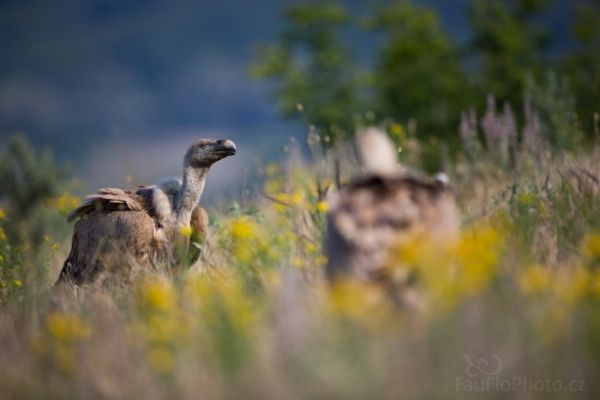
(508,43)
(418,73)
(312,69)
(27,181)
(583,66)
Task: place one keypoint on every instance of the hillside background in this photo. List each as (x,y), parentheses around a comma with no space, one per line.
(134,82)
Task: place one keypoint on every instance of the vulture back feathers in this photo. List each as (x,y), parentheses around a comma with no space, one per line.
(115,231)
(382,209)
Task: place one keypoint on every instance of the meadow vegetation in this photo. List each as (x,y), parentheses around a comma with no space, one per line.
(255,317)
(512,309)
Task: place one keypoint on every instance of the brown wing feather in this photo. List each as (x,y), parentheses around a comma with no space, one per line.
(114,231)
(108,199)
(110,243)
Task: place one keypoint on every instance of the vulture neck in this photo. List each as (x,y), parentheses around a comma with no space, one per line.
(189,193)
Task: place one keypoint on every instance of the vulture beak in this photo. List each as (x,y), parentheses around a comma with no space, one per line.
(227,147)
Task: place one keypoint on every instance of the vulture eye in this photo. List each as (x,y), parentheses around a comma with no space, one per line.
(202,146)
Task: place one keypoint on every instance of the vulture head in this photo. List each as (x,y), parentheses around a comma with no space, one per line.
(205,152)
(377,153)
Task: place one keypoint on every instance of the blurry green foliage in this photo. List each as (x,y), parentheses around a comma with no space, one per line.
(28,181)
(508,44)
(11,283)
(583,66)
(419,75)
(312,67)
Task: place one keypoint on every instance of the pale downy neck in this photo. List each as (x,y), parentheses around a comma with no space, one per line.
(189,194)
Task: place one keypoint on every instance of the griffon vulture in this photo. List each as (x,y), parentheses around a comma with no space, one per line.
(117,230)
(381,209)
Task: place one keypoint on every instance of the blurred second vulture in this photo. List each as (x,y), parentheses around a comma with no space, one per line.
(381,210)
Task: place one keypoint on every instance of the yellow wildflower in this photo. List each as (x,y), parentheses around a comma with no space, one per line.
(67,328)
(2,234)
(312,248)
(2,214)
(221,299)
(478,253)
(185,230)
(362,302)
(591,248)
(397,131)
(574,285)
(526,198)
(535,279)
(284,198)
(245,239)
(453,272)
(66,202)
(243,254)
(408,252)
(161,328)
(243,228)
(17,283)
(297,198)
(158,295)
(296,262)
(321,260)
(322,207)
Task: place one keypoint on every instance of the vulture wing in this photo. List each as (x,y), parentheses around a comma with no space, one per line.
(114,231)
(108,199)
